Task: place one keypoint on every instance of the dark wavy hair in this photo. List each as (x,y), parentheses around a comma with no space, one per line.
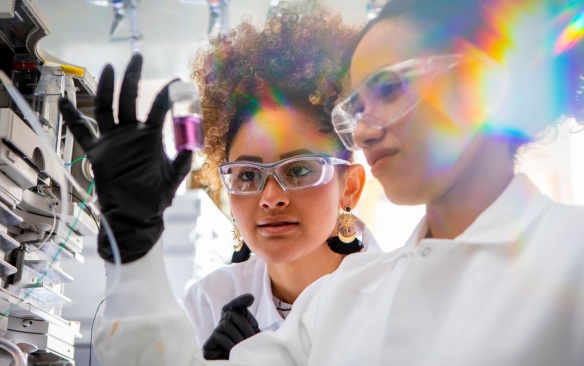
(296,56)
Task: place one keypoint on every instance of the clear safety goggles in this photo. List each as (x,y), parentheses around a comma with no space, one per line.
(388,94)
(292,174)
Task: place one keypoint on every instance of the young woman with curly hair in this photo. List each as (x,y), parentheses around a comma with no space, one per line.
(267,96)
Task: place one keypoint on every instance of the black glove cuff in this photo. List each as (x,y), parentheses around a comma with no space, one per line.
(135,239)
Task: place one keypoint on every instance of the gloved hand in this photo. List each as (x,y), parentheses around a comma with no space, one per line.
(236,324)
(134,179)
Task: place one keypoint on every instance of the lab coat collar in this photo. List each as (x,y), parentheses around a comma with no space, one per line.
(503,221)
(369,242)
(267,315)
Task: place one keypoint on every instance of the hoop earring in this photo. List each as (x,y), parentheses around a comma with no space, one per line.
(346,241)
(241,251)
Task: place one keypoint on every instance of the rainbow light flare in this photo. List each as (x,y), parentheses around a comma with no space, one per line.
(523,37)
(571,35)
(271,126)
(521,91)
(271,100)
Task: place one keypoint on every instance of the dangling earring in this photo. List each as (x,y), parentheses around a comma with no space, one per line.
(241,251)
(346,241)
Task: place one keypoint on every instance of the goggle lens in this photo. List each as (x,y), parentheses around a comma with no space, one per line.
(387,95)
(292,173)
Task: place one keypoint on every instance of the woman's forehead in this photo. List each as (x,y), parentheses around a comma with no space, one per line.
(272,132)
(388,42)
(392,41)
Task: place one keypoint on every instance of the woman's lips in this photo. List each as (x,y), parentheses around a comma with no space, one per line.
(277,228)
(378,158)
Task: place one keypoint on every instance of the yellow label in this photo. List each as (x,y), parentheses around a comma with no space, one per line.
(73,70)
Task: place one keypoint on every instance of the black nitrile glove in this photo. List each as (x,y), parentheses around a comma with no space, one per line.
(236,324)
(134,179)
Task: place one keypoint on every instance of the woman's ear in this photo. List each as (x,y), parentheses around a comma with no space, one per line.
(354,178)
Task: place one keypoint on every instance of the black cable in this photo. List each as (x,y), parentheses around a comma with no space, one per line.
(75,196)
(88,209)
(91,332)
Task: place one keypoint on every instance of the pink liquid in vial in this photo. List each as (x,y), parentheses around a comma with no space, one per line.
(188,132)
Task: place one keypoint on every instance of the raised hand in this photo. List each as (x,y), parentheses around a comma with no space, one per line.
(134,179)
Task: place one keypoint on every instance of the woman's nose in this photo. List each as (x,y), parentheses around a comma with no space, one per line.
(366,135)
(273,195)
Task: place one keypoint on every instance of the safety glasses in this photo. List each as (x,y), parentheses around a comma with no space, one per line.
(388,94)
(292,174)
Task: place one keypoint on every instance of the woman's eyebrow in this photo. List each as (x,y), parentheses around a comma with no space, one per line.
(295,153)
(253,158)
(258,159)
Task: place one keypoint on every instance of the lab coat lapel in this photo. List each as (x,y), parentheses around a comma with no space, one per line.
(448,284)
(267,316)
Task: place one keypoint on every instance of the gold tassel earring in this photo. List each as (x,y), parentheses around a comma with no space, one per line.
(346,241)
(241,251)
(237,239)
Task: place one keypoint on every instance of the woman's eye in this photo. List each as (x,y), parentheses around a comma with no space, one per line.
(357,104)
(299,171)
(389,91)
(249,175)
(385,87)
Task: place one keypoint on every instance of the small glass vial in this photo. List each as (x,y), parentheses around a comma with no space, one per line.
(186,116)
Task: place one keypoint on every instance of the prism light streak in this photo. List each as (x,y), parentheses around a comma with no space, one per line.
(573,34)
(522,39)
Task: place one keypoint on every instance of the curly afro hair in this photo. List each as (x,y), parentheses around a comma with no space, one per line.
(298,54)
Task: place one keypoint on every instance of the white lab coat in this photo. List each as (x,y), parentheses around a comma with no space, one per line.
(204,299)
(508,291)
